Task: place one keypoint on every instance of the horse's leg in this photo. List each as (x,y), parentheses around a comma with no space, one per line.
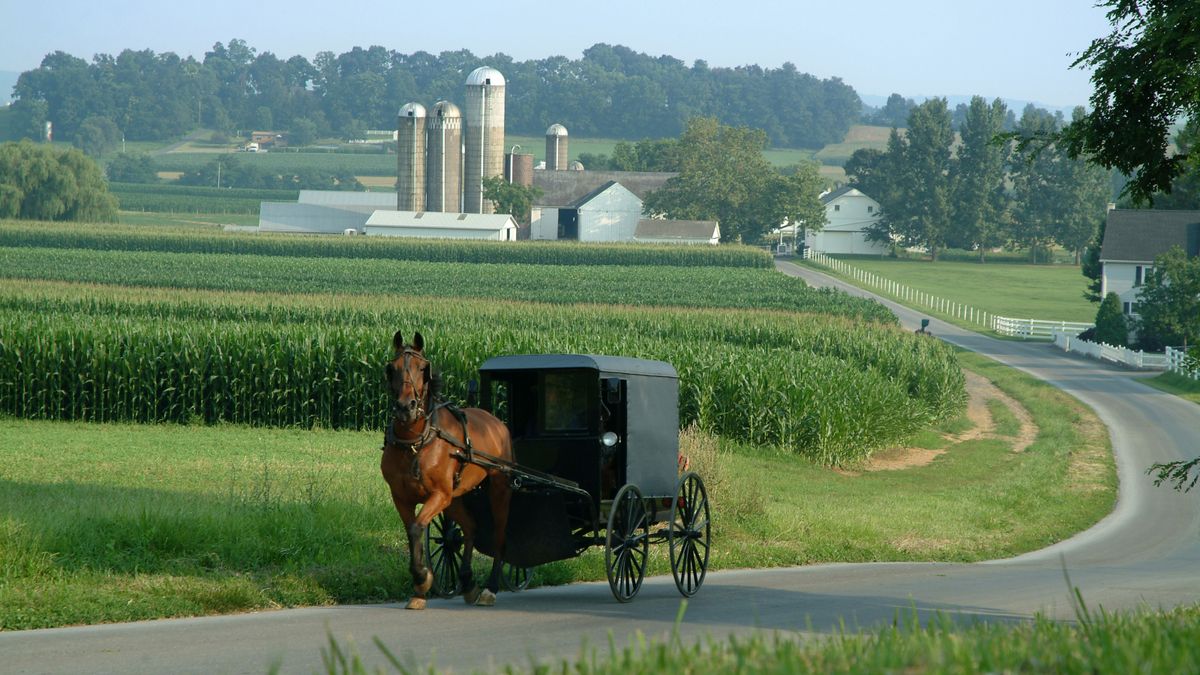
(500,496)
(416,548)
(416,562)
(457,511)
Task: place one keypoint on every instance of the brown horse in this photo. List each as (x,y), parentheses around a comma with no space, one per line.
(426,461)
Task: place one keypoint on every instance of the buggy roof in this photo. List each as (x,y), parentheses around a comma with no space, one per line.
(617,365)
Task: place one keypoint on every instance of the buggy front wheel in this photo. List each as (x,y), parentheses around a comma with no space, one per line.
(443,554)
(627,543)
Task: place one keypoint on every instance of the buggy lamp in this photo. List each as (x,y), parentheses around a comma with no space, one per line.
(609,439)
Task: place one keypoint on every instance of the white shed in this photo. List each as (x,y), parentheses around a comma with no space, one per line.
(848,214)
(433,224)
(610,212)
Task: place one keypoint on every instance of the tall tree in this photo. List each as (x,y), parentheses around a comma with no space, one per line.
(511,198)
(981,202)
(723,176)
(916,210)
(1144,74)
(41,182)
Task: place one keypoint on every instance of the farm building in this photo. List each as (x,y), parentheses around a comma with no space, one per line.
(659,231)
(438,225)
(323,212)
(607,206)
(848,214)
(1133,238)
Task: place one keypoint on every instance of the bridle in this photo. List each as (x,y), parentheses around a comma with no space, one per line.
(430,429)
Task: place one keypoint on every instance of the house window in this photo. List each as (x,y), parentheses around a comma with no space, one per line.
(870,209)
(837,207)
(1130,308)
(1139,276)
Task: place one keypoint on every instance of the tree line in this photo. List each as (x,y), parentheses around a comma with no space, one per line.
(980,190)
(612,91)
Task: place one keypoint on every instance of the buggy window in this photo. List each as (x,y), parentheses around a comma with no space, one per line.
(565,401)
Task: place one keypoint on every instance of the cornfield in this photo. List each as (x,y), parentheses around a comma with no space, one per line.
(643,285)
(830,388)
(168,240)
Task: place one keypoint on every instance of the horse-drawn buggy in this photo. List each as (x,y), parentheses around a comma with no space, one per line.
(565,452)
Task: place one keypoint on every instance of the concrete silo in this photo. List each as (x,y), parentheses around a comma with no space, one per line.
(518,168)
(484,116)
(556,148)
(410,158)
(444,166)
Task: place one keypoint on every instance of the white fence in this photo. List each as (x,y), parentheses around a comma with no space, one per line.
(1105,352)
(1033,329)
(1179,362)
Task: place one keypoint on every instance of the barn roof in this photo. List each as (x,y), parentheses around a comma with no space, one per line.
(682,230)
(563,188)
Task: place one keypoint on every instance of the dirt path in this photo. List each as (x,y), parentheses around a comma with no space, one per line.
(980,392)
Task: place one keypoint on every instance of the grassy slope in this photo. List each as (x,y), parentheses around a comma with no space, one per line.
(1049,292)
(122,522)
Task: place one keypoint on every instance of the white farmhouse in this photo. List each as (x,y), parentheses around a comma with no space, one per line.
(1133,238)
(848,214)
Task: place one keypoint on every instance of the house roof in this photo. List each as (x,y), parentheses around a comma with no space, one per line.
(439,220)
(830,196)
(682,230)
(379,200)
(560,189)
(1139,235)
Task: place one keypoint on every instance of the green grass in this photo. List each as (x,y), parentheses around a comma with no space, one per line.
(1143,641)
(1022,291)
(208,222)
(116,522)
(1174,383)
(363,164)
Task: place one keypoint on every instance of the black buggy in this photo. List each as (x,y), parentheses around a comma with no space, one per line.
(596,447)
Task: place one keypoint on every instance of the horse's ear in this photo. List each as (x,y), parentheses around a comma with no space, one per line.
(418,342)
(398,341)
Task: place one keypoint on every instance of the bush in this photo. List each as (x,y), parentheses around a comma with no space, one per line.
(1111,328)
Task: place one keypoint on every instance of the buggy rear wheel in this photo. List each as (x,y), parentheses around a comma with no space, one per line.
(688,534)
(443,555)
(515,578)
(627,543)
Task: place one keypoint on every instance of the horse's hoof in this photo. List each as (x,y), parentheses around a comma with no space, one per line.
(415,603)
(423,588)
(485,599)
(471,596)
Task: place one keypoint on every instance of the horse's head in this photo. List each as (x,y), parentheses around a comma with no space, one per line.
(409,378)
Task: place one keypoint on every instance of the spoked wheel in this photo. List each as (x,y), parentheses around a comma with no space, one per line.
(443,555)
(688,534)
(628,543)
(515,578)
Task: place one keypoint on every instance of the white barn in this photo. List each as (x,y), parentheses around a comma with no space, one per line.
(660,231)
(323,212)
(848,214)
(1133,238)
(607,213)
(436,225)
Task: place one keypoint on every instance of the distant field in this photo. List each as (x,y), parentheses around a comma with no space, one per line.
(364,164)
(1048,292)
(859,137)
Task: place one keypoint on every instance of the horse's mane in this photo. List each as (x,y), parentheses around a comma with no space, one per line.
(435,388)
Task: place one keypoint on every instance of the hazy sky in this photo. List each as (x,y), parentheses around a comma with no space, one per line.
(1016,49)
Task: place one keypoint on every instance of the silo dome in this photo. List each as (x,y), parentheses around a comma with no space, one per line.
(485,75)
(412,110)
(446,109)
(577,165)
(556,130)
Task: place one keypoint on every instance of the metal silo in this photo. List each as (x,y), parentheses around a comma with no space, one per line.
(485,136)
(556,148)
(518,168)
(444,164)
(410,158)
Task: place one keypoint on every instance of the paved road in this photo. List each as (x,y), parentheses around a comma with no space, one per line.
(1145,553)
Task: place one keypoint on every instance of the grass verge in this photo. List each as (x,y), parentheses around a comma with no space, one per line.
(1174,383)
(120,522)
(1143,641)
